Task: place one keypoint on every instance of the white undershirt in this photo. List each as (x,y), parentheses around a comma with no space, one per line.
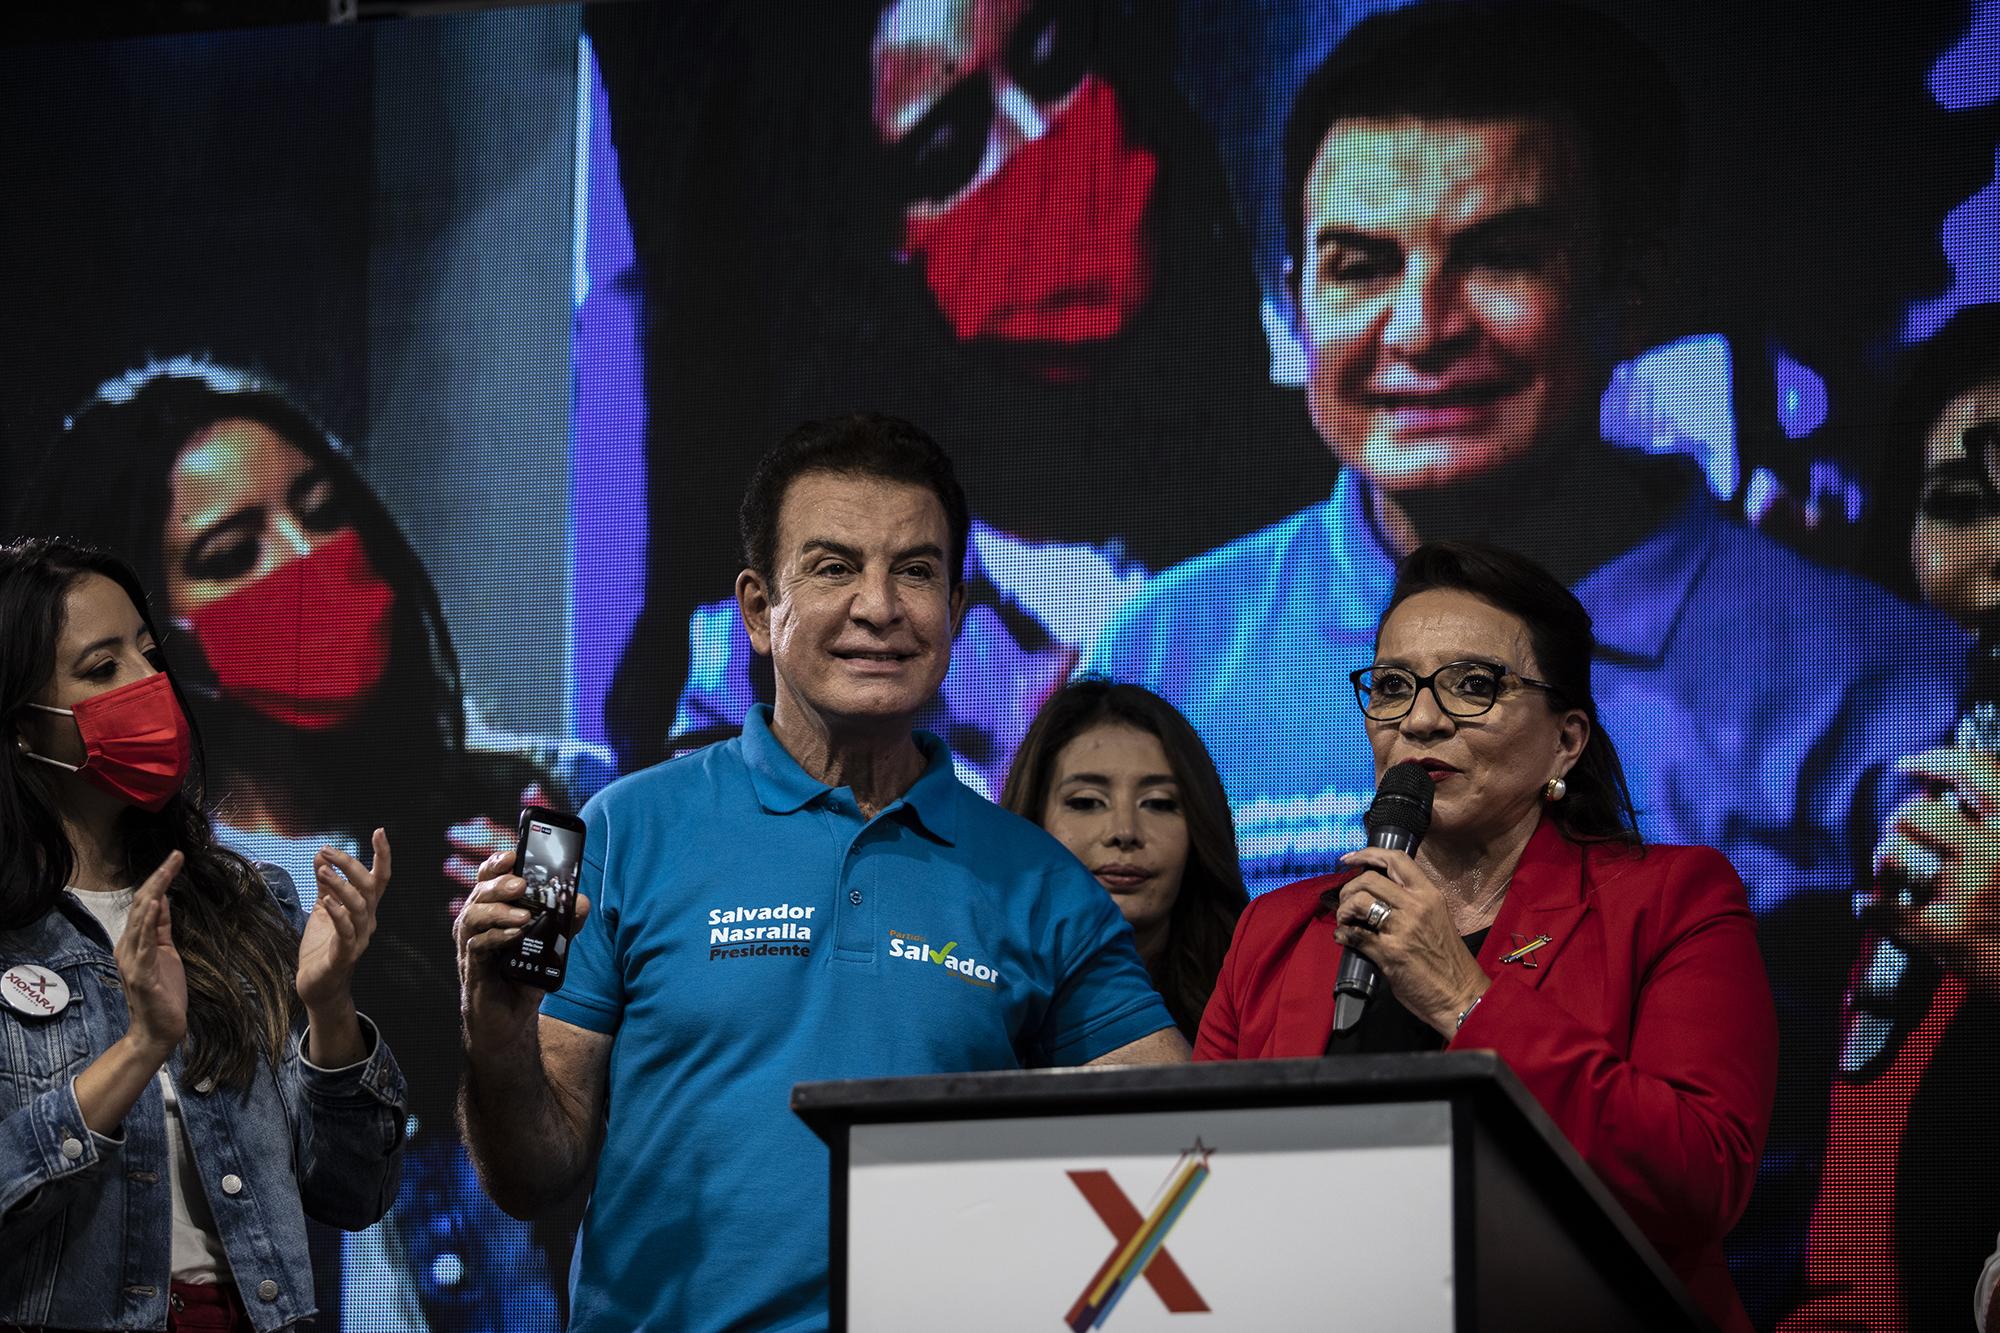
(197,1252)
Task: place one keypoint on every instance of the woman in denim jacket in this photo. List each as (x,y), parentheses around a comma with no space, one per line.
(183,1077)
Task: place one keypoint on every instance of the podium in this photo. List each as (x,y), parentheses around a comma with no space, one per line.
(1394,1192)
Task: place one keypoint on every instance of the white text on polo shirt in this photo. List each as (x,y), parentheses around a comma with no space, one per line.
(728,926)
(966,968)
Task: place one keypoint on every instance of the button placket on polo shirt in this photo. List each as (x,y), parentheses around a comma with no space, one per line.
(854,933)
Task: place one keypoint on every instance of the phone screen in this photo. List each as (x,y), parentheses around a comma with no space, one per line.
(549,857)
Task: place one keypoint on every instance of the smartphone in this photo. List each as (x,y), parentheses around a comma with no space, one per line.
(549,855)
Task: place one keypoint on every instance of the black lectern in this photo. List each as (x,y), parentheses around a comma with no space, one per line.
(1415,1193)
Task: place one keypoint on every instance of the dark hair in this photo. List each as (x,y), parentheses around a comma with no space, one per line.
(1482,61)
(1598,806)
(861,444)
(1962,354)
(1211,896)
(238,950)
(105,483)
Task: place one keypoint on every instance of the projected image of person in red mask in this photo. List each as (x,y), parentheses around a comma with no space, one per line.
(1003,218)
(314,651)
(256,554)
(1026,196)
(311,632)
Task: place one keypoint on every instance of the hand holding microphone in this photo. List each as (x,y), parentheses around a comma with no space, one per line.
(1397,822)
(1429,959)
(1936,898)
(1935,903)
(1942,849)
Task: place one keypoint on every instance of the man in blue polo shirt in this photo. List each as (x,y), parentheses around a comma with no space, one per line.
(818,898)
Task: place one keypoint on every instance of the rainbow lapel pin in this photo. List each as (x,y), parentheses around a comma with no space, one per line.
(1524,954)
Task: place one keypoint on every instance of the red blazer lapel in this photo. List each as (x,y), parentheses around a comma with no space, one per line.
(1545,897)
(1305,996)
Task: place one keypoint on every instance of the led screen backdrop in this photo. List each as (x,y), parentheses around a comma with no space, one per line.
(303,297)
(419,367)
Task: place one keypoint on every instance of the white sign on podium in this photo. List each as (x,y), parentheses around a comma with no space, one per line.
(1323,1217)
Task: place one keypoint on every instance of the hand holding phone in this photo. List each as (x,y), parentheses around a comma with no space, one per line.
(548,855)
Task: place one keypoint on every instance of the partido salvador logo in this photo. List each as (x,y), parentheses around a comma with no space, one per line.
(961,964)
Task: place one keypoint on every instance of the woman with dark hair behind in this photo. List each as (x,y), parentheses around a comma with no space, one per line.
(1908,1119)
(315,653)
(185,1077)
(1622,984)
(1121,779)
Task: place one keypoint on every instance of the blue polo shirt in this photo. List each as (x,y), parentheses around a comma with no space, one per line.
(752,930)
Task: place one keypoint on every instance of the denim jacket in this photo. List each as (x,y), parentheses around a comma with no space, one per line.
(86,1220)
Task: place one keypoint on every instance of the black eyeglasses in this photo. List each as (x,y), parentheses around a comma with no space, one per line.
(1966,494)
(1462,689)
(1046,57)
(1982,446)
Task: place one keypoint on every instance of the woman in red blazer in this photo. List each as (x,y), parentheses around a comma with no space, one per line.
(1621,983)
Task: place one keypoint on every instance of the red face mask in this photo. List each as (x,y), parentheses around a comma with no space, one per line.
(1051,247)
(135,741)
(306,644)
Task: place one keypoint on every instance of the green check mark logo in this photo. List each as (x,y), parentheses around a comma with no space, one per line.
(939,955)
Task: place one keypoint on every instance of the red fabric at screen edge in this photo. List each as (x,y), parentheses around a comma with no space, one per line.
(1851,1264)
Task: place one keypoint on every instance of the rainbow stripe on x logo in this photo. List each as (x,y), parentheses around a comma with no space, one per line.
(1141,1248)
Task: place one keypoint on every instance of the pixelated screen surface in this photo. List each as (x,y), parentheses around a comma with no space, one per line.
(419,368)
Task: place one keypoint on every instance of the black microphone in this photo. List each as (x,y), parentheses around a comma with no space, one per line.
(1397,820)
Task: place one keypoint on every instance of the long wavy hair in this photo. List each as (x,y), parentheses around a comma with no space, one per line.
(402,762)
(238,950)
(1204,916)
(106,482)
(1598,805)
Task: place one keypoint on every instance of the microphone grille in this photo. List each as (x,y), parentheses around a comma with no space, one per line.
(1403,800)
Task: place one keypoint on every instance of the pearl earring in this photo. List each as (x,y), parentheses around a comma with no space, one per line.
(1554,790)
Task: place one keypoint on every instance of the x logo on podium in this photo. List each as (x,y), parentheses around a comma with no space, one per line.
(1140,1242)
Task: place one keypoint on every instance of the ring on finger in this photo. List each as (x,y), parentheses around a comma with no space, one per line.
(1378,913)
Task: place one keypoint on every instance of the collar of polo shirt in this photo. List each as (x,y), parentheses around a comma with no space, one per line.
(783,787)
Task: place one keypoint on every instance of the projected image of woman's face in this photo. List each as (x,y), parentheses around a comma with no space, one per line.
(268,574)
(1022,196)
(245,502)
(1955,540)
(960,86)
(1442,294)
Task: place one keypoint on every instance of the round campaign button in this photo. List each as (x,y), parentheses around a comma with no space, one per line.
(34,990)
